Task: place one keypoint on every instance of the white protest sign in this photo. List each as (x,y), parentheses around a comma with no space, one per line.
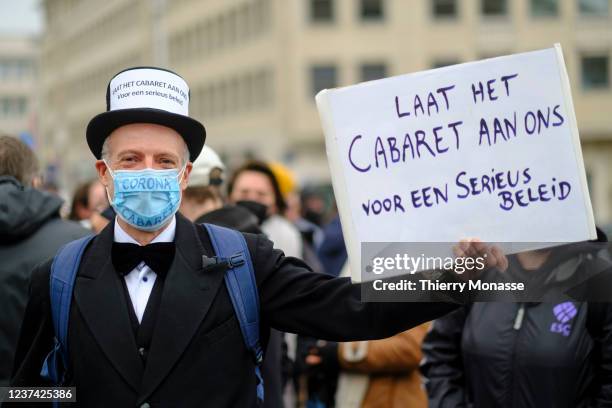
(486,149)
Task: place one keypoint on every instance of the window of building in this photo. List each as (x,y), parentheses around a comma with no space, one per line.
(259,84)
(267,91)
(172,49)
(260,15)
(256,17)
(247,20)
(444,62)
(543,8)
(13,68)
(196,99)
(209,36)
(233,98)
(4,107)
(178,44)
(4,69)
(370,72)
(251,98)
(224,97)
(214,100)
(192,43)
(221,30)
(232,27)
(372,10)
(13,107)
(494,8)
(200,38)
(323,77)
(499,52)
(207,102)
(22,106)
(322,11)
(594,7)
(24,68)
(444,8)
(267,13)
(595,72)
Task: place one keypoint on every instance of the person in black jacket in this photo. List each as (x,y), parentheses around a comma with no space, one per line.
(151,323)
(31,231)
(551,353)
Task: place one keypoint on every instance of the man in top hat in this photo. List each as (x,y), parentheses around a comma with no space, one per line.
(149,324)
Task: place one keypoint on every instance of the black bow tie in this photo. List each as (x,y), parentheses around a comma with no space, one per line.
(157,256)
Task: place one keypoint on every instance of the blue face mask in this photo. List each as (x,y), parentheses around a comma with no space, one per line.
(146,199)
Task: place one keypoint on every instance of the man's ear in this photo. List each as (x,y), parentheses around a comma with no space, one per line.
(186,173)
(102,170)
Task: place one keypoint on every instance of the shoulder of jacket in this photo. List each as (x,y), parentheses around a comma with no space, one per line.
(61,228)
(39,278)
(257,243)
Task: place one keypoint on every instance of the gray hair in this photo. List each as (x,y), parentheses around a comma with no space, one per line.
(106,152)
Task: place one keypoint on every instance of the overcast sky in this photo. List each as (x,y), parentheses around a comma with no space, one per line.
(20,16)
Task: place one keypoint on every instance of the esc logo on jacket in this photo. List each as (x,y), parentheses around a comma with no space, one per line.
(563,313)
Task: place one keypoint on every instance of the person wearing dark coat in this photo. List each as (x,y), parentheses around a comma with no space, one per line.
(151,322)
(533,353)
(31,231)
(332,251)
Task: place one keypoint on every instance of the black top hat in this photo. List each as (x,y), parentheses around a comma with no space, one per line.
(146,95)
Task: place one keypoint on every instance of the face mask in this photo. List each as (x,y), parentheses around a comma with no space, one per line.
(216,181)
(314,217)
(146,199)
(258,209)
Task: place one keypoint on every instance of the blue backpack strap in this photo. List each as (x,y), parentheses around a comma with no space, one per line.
(231,247)
(63,274)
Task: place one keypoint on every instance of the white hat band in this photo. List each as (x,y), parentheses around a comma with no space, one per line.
(149,88)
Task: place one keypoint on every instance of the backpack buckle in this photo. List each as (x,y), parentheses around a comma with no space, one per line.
(236,260)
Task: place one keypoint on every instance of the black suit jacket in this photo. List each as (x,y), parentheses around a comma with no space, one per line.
(197,356)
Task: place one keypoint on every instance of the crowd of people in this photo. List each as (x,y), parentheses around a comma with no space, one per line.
(461,364)
(496,354)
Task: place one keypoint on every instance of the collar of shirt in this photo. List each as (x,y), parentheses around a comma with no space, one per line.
(167,235)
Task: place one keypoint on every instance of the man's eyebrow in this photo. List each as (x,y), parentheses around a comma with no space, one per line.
(125,152)
(167,154)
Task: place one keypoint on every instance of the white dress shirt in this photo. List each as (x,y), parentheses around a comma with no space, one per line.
(141,279)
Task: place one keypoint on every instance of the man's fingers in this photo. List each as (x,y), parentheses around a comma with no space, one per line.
(459,250)
(479,246)
(475,248)
(468,247)
(502,263)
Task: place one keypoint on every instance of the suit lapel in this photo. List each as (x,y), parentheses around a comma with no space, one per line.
(187,295)
(99,295)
